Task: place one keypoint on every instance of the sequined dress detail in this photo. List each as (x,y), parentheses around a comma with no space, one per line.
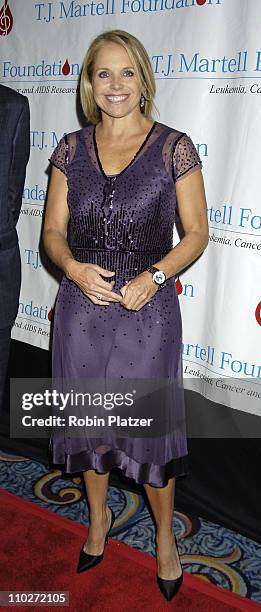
(124,223)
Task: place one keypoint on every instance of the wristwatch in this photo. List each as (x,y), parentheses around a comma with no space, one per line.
(158,276)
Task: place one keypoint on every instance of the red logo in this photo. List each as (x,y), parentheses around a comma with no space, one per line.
(50,315)
(66,68)
(6,19)
(178,286)
(258,313)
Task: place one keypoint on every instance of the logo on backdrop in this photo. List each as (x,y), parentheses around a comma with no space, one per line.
(41,139)
(258,313)
(34,318)
(54,69)
(32,258)
(6,19)
(178,284)
(47,12)
(34,193)
(244,220)
(228,363)
(38,311)
(164,65)
(185,289)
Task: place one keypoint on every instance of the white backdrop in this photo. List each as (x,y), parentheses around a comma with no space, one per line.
(206,56)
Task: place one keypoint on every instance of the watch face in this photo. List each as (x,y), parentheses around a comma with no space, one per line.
(159,277)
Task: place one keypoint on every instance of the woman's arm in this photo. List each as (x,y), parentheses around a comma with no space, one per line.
(56,222)
(192,206)
(85,275)
(191,203)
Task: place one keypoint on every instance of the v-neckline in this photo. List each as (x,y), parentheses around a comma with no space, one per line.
(131,161)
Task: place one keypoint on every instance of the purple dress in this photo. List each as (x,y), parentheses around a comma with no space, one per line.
(123,223)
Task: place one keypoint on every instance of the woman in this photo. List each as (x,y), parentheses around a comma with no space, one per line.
(117,181)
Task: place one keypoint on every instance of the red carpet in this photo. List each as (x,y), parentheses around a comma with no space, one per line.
(39,552)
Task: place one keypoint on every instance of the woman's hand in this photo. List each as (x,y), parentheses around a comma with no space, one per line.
(138,291)
(87,277)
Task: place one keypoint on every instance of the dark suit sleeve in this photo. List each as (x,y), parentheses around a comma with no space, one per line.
(21,152)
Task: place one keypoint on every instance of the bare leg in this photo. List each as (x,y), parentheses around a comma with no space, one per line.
(162,505)
(100,515)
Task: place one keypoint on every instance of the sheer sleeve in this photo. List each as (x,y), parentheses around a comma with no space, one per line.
(185,157)
(59,157)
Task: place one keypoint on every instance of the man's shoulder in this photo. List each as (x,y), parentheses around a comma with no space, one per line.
(7,94)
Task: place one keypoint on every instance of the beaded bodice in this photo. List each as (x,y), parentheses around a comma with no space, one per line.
(130,215)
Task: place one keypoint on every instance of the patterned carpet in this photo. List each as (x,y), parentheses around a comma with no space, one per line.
(209,551)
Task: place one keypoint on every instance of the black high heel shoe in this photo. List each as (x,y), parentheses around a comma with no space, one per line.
(87,561)
(169,588)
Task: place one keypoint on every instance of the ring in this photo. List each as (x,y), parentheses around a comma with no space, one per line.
(99,297)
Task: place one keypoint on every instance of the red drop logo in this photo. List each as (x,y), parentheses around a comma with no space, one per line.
(6,19)
(178,286)
(50,314)
(201,2)
(258,313)
(66,68)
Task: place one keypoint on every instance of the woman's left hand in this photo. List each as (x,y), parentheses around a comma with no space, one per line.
(138,291)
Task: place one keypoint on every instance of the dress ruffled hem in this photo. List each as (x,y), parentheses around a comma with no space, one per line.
(142,473)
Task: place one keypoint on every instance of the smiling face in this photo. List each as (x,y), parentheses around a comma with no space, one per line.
(115,82)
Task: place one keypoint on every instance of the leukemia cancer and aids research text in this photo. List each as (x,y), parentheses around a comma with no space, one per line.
(73,421)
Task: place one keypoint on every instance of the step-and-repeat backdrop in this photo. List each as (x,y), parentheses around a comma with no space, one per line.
(206,57)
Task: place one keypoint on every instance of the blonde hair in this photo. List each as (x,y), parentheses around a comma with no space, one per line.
(141,62)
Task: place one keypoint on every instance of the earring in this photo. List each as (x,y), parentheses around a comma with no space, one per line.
(142,101)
